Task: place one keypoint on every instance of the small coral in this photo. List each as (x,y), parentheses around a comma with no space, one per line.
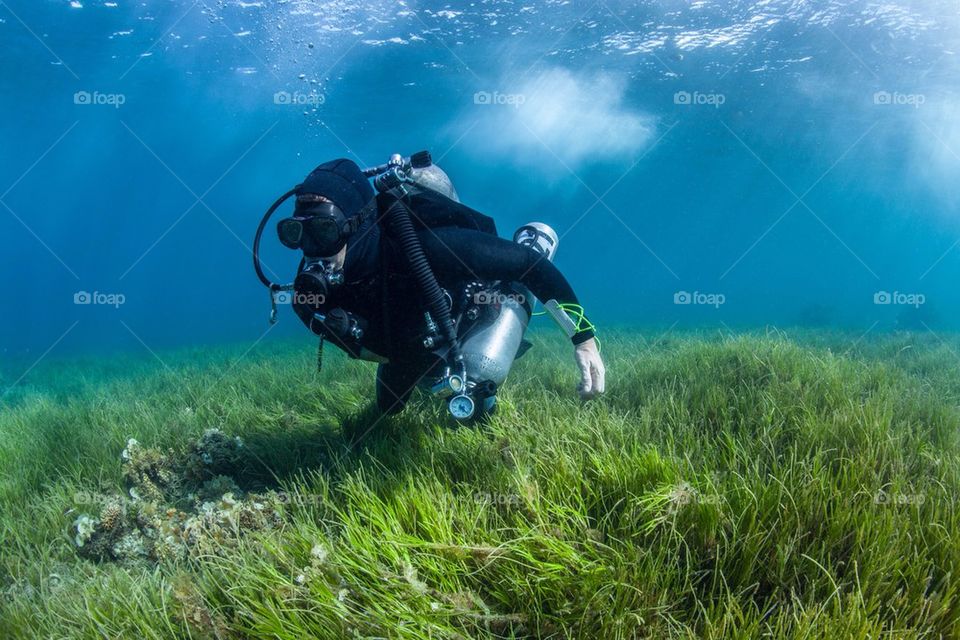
(111,514)
(130,451)
(148,471)
(85,527)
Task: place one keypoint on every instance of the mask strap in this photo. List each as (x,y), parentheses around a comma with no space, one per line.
(353,224)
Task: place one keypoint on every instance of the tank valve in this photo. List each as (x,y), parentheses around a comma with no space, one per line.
(448,386)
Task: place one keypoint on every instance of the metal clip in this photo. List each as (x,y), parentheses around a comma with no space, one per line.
(279,295)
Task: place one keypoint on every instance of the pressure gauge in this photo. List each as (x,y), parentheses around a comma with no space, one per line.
(462,407)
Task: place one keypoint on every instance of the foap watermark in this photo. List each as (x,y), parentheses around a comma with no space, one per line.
(884,498)
(99,298)
(95,98)
(299,99)
(296,297)
(502,499)
(496,297)
(98,499)
(685,494)
(896,98)
(295,498)
(899,298)
(497,98)
(699,298)
(697,98)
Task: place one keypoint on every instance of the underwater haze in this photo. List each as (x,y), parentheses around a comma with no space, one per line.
(758,206)
(726,164)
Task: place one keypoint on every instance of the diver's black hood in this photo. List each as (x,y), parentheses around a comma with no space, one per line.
(341,181)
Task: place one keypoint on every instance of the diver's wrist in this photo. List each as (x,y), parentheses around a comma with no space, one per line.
(582,336)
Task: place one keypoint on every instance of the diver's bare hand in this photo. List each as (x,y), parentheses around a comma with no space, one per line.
(592,371)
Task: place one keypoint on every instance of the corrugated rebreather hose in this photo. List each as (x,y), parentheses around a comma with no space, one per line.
(401,227)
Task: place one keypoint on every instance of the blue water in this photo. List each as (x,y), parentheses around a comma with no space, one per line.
(788,162)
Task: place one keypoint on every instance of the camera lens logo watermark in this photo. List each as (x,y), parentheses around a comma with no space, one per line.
(899,298)
(95,98)
(299,99)
(696,98)
(109,299)
(896,98)
(497,98)
(698,298)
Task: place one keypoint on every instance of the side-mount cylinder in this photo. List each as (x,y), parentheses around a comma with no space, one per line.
(502,313)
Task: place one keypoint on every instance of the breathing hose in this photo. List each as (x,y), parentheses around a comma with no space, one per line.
(398,220)
(256,240)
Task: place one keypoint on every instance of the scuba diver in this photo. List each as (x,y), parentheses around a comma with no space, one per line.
(412,279)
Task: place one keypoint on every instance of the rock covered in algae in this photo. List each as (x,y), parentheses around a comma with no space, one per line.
(99,537)
(177,506)
(217,487)
(213,454)
(148,471)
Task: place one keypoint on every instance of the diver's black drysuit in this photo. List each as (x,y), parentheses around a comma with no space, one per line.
(461,246)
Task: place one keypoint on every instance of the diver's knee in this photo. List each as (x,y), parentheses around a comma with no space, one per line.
(393,388)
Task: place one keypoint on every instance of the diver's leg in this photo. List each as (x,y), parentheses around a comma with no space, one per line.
(396,380)
(394,386)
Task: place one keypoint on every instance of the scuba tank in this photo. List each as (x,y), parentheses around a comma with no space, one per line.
(490,348)
(491,329)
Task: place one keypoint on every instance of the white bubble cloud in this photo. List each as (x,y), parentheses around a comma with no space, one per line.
(578,118)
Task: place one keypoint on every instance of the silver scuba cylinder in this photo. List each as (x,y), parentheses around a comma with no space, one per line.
(490,348)
(435,178)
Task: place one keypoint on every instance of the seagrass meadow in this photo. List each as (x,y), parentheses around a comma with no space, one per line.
(788,484)
(755,204)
